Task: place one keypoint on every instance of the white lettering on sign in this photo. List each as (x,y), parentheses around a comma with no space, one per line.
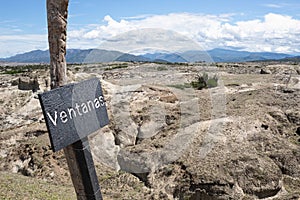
(77,110)
(51,119)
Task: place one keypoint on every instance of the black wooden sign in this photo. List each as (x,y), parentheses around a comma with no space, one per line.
(73,111)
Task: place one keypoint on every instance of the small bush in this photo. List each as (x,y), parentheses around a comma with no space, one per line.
(212,82)
(204,81)
(162,68)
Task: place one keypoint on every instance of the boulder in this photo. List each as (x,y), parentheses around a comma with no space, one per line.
(265,71)
(26,83)
(15,82)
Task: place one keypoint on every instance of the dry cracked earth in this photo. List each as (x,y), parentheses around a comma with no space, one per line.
(165,140)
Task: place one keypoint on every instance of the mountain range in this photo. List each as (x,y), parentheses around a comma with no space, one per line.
(99,55)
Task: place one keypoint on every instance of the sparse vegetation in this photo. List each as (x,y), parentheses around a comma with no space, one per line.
(15,186)
(14,71)
(181,86)
(204,81)
(162,68)
(21,68)
(117,66)
(201,82)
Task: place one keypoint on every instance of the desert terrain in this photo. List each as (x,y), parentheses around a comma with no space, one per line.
(165,139)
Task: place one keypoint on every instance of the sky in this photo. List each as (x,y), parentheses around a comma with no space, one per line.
(256,25)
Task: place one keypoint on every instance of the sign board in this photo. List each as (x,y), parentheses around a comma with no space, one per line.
(73,112)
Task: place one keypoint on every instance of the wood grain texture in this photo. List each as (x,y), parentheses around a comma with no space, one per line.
(57,14)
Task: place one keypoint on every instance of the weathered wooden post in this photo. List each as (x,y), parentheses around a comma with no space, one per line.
(74,111)
(57,14)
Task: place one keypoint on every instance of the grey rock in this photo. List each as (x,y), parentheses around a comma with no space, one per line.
(26,83)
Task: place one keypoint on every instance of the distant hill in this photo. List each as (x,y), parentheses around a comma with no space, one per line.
(129,57)
(39,56)
(291,59)
(165,57)
(99,55)
(75,56)
(36,56)
(224,55)
(196,56)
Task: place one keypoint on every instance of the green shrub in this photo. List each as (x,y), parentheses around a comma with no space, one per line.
(204,81)
(212,82)
(161,68)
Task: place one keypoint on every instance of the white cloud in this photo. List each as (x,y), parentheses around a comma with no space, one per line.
(152,39)
(272,5)
(274,32)
(14,44)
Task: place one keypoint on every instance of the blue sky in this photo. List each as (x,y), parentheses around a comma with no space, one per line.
(255,25)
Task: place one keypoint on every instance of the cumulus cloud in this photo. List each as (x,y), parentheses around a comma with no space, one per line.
(150,40)
(273,32)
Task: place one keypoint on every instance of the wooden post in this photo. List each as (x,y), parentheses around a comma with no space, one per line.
(57,14)
(78,154)
(82,170)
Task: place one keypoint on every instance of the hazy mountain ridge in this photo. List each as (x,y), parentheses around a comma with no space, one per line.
(168,57)
(99,55)
(224,55)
